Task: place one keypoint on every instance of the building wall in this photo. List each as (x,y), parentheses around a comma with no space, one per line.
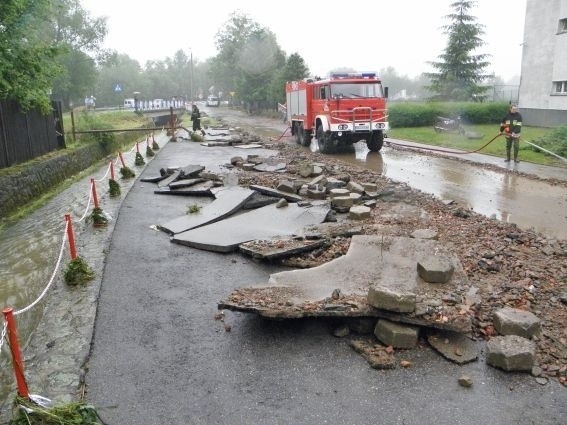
(544,60)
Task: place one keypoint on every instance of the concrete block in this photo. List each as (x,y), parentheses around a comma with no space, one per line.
(434,269)
(359,212)
(391,298)
(513,321)
(395,334)
(511,353)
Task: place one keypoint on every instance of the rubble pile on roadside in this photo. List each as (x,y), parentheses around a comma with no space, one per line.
(506,266)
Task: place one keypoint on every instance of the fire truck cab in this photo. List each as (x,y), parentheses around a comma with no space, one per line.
(338,111)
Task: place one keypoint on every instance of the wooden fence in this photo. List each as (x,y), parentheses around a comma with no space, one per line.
(28,135)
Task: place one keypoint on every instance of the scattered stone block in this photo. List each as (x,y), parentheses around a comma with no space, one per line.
(513,321)
(359,212)
(317,171)
(355,187)
(435,269)
(391,298)
(337,193)
(356,197)
(370,187)
(286,186)
(395,334)
(316,193)
(333,183)
(248,166)
(306,169)
(342,203)
(321,180)
(281,203)
(511,353)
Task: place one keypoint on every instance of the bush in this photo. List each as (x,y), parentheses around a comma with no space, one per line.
(411,114)
(554,141)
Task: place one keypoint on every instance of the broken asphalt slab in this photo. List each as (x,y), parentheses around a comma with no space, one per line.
(228,201)
(371,261)
(198,189)
(279,248)
(268,191)
(262,223)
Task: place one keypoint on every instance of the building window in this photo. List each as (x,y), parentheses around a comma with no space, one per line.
(562,25)
(560,87)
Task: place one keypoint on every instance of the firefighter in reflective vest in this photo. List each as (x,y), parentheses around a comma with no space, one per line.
(511,126)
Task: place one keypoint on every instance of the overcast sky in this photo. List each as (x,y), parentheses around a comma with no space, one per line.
(366,35)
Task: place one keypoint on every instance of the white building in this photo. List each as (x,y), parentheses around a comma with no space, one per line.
(543,86)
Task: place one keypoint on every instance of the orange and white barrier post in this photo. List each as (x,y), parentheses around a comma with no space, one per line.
(16,355)
(122,159)
(71,237)
(95,198)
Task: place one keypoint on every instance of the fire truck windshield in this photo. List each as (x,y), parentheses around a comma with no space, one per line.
(356,90)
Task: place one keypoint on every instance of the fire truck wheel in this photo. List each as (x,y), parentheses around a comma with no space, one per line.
(323,140)
(296,133)
(299,134)
(376,141)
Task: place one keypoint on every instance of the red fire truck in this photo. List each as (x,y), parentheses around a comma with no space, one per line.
(338,111)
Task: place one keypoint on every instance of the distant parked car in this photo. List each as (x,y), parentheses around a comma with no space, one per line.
(129,103)
(213,101)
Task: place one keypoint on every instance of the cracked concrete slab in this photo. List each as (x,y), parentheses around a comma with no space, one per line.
(171,178)
(198,189)
(268,191)
(228,201)
(370,260)
(262,223)
(279,248)
(178,184)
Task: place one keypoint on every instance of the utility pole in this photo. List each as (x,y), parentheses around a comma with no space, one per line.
(191,77)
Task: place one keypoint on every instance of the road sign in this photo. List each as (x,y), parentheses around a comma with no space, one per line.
(117,88)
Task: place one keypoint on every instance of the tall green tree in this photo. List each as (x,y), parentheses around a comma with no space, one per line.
(459,72)
(80,37)
(294,69)
(27,57)
(248,55)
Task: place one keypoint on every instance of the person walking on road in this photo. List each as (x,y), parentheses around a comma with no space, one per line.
(196,118)
(512,126)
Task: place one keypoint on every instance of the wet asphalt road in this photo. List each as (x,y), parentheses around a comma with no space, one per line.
(160,357)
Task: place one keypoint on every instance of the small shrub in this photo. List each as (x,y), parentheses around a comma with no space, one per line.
(113,188)
(78,272)
(193,209)
(196,137)
(555,141)
(149,152)
(127,172)
(98,217)
(139,161)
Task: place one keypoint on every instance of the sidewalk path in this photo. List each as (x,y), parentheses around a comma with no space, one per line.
(160,357)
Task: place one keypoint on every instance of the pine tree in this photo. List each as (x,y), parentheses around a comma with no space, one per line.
(459,71)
